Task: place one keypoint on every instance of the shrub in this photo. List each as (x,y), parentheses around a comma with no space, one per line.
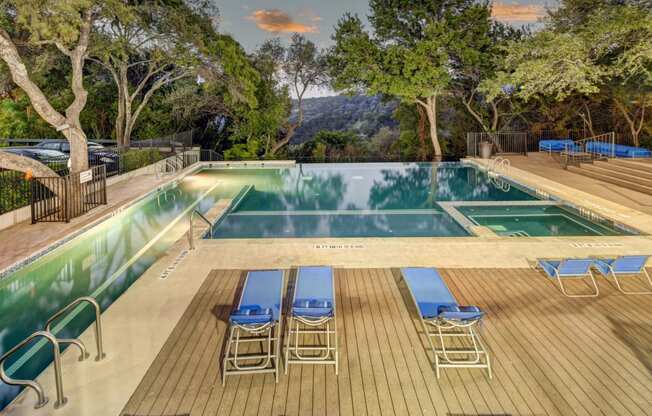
(137,158)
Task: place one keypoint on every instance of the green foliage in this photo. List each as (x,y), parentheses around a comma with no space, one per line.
(136,158)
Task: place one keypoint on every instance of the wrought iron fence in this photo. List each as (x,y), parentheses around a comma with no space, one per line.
(209,155)
(62,198)
(174,141)
(502,142)
(15,187)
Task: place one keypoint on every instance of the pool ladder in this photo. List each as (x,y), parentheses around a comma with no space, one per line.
(42,399)
(191,234)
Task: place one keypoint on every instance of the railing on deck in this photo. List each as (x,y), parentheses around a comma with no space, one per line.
(598,147)
(511,142)
(62,198)
(209,155)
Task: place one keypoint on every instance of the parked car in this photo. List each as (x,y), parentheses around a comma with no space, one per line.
(64,146)
(42,155)
(97,154)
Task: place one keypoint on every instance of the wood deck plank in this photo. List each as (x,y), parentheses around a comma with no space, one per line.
(390,396)
(551,355)
(585,374)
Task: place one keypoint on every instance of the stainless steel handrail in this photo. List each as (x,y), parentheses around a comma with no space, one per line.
(98,327)
(42,398)
(191,237)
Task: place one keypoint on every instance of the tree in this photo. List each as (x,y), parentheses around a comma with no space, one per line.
(607,52)
(410,55)
(484,60)
(300,66)
(66,26)
(147,45)
(257,126)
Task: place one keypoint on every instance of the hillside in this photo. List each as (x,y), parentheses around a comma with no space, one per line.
(361,114)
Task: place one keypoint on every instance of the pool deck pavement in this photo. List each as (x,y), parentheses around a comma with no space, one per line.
(26,238)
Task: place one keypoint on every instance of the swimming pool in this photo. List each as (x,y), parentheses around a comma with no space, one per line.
(372,200)
(375,200)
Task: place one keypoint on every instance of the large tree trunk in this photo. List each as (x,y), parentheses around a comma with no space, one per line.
(430,105)
(69,125)
(26,165)
(634,121)
(421,132)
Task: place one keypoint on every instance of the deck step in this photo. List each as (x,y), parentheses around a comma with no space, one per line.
(641,171)
(633,177)
(610,179)
(633,163)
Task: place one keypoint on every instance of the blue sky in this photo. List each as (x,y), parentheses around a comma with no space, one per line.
(253,21)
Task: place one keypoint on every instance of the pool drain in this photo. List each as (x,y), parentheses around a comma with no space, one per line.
(174,264)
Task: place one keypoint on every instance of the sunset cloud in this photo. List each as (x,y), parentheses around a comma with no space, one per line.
(278,21)
(506,12)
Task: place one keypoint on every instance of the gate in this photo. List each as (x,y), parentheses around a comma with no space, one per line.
(60,199)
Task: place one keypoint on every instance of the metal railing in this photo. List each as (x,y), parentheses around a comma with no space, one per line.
(503,142)
(500,165)
(587,150)
(191,234)
(34,385)
(98,325)
(209,155)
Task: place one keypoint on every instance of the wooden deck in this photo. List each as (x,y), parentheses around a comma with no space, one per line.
(551,355)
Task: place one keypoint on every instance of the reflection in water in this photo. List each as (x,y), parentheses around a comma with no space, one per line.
(325,195)
(89,265)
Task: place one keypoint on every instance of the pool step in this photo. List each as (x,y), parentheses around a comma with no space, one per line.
(609,178)
(641,170)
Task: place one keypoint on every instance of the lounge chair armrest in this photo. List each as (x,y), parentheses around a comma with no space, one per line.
(603,266)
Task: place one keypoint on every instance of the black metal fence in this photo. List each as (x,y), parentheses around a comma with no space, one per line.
(60,199)
(15,187)
(511,142)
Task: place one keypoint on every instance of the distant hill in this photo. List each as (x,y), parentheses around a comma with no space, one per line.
(361,114)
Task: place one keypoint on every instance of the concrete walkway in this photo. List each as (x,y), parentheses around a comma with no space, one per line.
(25,239)
(543,165)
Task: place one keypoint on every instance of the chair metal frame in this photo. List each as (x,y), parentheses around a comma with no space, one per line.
(299,326)
(443,329)
(617,275)
(560,278)
(267,334)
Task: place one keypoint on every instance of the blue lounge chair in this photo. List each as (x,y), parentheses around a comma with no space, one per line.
(312,314)
(618,150)
(257,319)
(622,267)
(556,145)
(569,269)
(442,318)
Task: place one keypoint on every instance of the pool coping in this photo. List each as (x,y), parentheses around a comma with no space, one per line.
(34,256)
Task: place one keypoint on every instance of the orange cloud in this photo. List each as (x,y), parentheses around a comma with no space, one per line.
(517,12)
(278,21)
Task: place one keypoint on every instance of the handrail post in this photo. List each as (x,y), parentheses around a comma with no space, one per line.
(58,379)
(99,342)
(191,236)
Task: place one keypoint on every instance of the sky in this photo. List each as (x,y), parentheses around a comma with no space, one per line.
(251,22)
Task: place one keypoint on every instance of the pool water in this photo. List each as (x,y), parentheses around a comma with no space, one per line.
(348,200)
(102,262)
(539,221)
